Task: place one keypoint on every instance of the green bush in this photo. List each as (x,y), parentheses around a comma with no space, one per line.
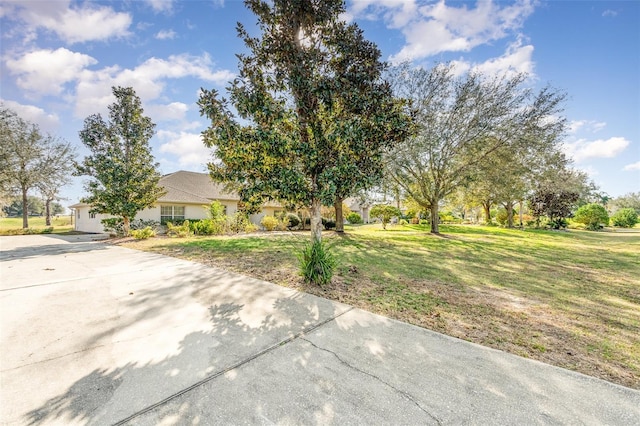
(424,222)
(144,233)
(269,223)
(216,210)
(180,231)
(592,215)
(217,226)
(292,220)
(625,218)
(502,216)
(328,223)
(403,222)
(384,212)
(354,218)
(317,263)
(240,222)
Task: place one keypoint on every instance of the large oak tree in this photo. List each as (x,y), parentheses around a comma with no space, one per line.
(461,121)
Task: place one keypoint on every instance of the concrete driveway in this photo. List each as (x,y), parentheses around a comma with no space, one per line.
(98,334)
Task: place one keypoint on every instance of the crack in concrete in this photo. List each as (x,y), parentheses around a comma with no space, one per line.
(232,367)
(353,367)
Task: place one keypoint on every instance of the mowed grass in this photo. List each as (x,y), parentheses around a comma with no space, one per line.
(13,225)
(568,298)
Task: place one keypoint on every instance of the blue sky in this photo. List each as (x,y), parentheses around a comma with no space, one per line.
(59,59)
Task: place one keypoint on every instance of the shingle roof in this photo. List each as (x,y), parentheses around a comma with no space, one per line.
(192,187)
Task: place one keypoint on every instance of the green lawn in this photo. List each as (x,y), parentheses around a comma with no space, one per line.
(569,298)
(13,225)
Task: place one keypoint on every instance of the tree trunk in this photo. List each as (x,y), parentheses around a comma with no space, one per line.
(316,220)
(125,225)
(487,212)
(434,219)
(47,206)
(339,218)
(521,209)
(509,206)
(25,210)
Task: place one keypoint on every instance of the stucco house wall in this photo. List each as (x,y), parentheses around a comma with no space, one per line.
(189,190)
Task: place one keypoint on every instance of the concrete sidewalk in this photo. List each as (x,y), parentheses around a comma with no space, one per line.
(98,334)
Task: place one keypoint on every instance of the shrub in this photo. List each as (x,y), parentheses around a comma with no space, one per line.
(180,231)
(384,213)
(269,223)
(216,226)
(113,225)
(592,215)
(424,222)
(329,223)
(317,263)
(144,233)
(240,222)
(403,222)
(354,218)
(216,210)
(502,216)
(292,220)
(625,218)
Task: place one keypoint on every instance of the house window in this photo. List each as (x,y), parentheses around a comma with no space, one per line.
(92,215)
(171,214)
(78,213)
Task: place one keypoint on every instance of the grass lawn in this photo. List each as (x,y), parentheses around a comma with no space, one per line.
(569,298)
(13,225)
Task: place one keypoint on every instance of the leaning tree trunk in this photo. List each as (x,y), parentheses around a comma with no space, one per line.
(25,210)
(435,229)
(521,209)
(316,220)
(339,218)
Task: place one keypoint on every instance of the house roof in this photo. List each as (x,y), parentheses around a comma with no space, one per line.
(192,187)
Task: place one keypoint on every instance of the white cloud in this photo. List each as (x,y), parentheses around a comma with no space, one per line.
(44,72)
(609,13)
(582,149)
(175,111)
(517,59)
(33,114)
(160,5)
(588,125)
(632,166)
(188,147)
(73,24)
(433,28)
(94,87)
(166,35)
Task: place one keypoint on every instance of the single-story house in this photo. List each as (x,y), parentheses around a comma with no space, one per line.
(187,195)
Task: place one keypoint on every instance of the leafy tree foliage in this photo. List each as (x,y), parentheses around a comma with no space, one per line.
(313,112)
(461,122)
(630,200)
(30,160)
(385,213)
(124,177)
(625,218)
(593,215)
(557,192)
(35,206)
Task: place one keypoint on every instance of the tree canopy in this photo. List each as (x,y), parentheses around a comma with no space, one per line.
(462,121)
(124,176)
(31,160)
(314,115)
